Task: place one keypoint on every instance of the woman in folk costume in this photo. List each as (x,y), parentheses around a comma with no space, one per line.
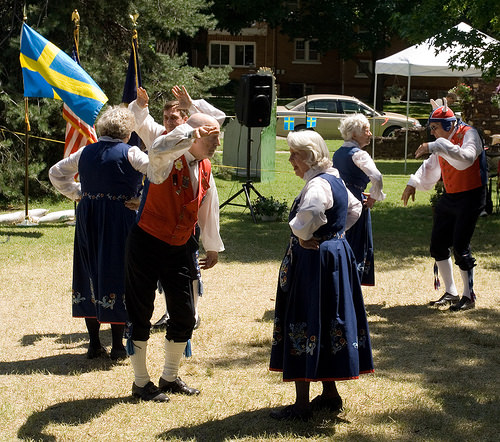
(457,156)
(357,169)
(320,327)
(110,173)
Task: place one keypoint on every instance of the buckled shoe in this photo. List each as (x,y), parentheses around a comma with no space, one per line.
(464,304)
(446,299)
(150,392)
(177,386)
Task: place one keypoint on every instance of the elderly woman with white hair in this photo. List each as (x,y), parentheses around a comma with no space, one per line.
(110,173)
(357,169)
(320,327)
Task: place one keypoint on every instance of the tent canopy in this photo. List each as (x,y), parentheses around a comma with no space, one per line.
(425,60)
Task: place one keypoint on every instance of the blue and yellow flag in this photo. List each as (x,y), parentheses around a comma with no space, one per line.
(50,72)
(311,122)
(289,123)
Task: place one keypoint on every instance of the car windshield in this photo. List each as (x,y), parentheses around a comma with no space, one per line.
(294,103)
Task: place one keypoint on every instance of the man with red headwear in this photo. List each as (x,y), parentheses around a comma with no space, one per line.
(457,156)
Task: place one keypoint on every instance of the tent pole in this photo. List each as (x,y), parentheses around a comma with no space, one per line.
(375,110)
(407,113)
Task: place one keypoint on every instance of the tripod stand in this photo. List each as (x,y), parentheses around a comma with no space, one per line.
(247,186)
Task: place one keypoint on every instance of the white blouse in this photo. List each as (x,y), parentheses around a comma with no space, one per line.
(314,200)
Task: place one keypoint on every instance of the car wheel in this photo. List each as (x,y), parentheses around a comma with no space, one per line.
(390,131)
(302,127)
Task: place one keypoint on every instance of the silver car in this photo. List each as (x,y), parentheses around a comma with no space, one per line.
(323,113)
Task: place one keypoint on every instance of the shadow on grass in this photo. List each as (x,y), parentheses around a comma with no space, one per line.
(66,413)
(5,234)
(456,354)
(67,364)
(255,425)
(251,353)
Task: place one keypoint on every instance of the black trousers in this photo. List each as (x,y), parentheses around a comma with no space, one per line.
(147,261)
(455,219)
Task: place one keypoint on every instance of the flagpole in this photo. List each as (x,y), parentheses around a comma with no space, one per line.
(27,129)
(135,45)
(75,18)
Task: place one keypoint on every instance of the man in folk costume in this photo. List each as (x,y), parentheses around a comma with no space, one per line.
(175,113)
(180,192)
(457,156)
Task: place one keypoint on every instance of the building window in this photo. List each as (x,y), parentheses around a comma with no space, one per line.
(236,54)
(306,51)
(366,65)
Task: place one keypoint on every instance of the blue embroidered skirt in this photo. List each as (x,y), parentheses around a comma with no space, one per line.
(320,329)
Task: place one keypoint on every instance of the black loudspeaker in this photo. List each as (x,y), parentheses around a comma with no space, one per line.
(254,100)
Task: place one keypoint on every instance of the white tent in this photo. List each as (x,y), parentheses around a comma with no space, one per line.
(424,60)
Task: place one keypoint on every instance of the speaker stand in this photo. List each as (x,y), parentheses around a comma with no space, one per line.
(245,187)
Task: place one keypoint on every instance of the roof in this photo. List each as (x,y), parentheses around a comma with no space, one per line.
(425,60)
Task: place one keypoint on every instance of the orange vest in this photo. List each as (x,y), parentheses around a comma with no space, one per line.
(170,211)
(460,180)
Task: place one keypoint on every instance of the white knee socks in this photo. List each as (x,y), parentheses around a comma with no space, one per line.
(465,279)
(138,361)
(445,268)
(173,355)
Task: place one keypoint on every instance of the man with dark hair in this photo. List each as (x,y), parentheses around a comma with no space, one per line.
(457,156)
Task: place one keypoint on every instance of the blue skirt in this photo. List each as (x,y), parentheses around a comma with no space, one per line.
(102,227)
(320,328)
(360,239)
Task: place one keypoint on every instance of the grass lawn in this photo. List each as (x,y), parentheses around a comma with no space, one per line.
(436,373)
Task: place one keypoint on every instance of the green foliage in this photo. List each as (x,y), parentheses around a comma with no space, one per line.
(104,48)
(426,18)
(269,206)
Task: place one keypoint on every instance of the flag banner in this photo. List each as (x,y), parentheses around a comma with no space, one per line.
(311,122)
(289,123)
(133,78)
(78,133)
(132,82)
(50,72)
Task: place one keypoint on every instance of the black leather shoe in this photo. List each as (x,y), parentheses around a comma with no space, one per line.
(177,386)
(150,392)
(325,403)
(198,322)
(464,304)
(161,323)
(97,352)
(290,413)
(118,354)
(446,299)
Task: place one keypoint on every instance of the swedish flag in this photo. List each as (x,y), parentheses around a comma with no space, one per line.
(49,72)
(311,122)
(289,123)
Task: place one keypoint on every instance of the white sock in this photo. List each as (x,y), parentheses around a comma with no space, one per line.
(173,355)
(196,297)
(138,361)
(445,268)
(465,279)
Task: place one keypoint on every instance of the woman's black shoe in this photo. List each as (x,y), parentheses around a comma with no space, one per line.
(333,404)
(97,352)
(290,413)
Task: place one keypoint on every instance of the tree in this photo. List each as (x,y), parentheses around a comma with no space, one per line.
(105,42)
(354,29)
(435,17)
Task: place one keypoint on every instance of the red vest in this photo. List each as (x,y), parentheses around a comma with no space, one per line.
(460,180)
(171,209)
